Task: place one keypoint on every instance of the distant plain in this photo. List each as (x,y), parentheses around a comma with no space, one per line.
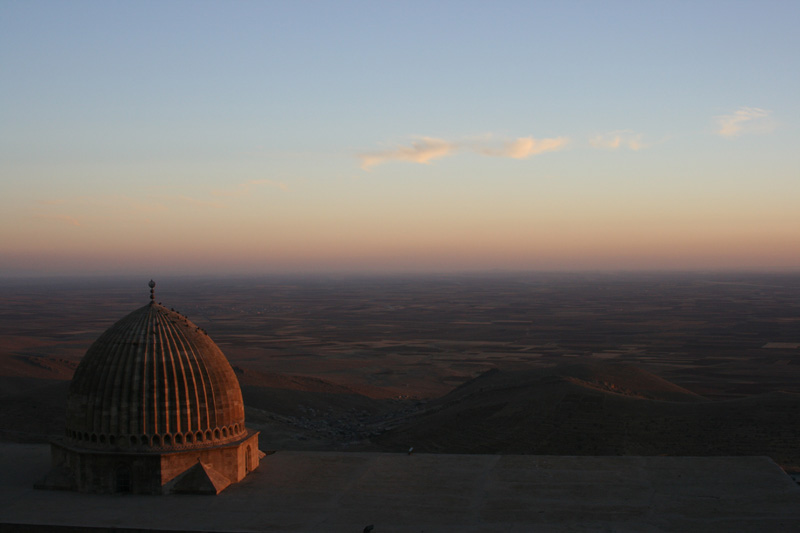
(367,362)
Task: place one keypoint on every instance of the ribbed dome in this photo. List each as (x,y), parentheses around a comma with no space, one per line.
(155,381)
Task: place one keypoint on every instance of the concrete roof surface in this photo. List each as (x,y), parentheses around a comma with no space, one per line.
(344,492)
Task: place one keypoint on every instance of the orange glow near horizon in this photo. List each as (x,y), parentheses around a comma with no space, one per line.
(380,225)
(474,247)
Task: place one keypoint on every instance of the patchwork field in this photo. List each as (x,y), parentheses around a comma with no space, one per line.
(340,360)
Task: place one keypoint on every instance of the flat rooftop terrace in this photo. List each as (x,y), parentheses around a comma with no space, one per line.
(344,492)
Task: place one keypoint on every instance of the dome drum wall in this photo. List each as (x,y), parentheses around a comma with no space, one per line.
(150,473)
(166,442)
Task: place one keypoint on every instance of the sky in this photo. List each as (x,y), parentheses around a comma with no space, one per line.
(245,137)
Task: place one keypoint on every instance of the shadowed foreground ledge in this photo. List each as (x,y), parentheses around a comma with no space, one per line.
(344,492)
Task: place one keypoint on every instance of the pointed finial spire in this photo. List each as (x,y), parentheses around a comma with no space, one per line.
(152,286)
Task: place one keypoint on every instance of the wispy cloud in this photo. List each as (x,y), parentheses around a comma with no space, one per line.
(55,201)
(745,120)
(153,206)
(618,139)
(197,202)
(422,151)
(63,219)
(525,147)
(245,188)
(428,148)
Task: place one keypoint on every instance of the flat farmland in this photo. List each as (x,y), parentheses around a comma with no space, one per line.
(718,335)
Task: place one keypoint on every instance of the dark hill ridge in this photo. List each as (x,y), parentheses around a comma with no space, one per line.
(617,378)
(584,409)
(603,409)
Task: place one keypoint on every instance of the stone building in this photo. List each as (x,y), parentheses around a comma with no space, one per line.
(154,407)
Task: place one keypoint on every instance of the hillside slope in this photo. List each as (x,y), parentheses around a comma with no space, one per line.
(597,410)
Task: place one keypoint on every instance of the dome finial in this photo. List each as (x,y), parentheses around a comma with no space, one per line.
(152,286)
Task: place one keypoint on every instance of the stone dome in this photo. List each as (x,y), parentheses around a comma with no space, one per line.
(154,381)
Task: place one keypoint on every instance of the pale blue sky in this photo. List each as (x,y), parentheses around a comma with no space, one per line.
(300,127)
